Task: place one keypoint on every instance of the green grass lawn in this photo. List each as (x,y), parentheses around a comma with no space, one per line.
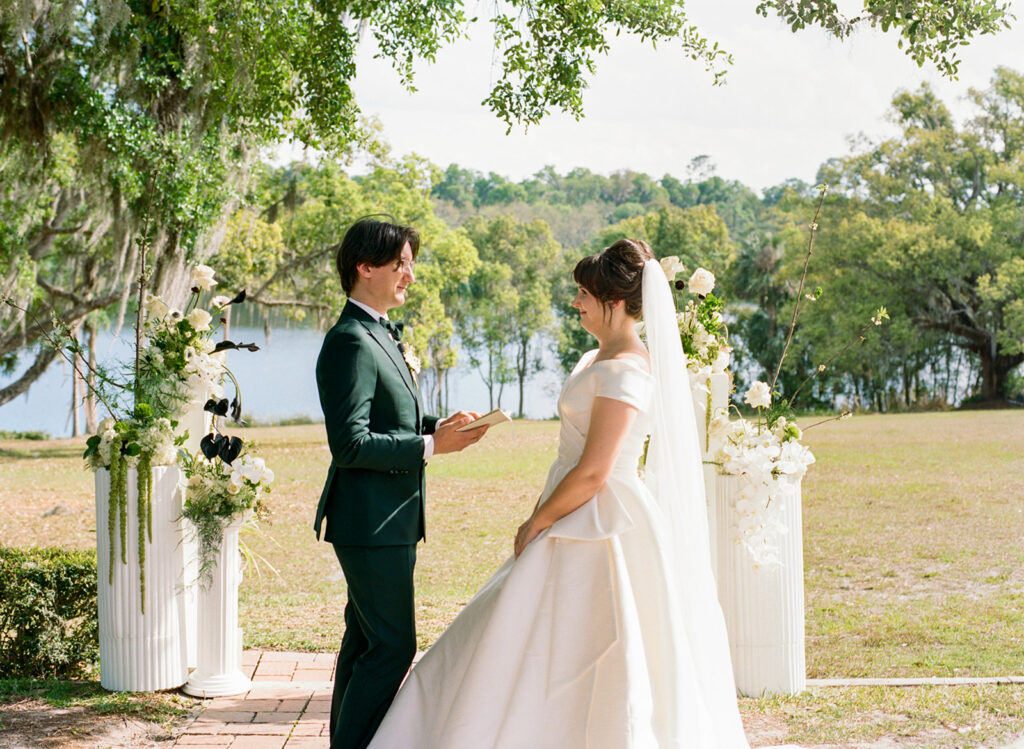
(914,560)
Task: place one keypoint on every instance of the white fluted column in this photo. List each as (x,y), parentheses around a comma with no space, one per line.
(763,607)
(142,652)
(719,386)
(219,667)
(196,422)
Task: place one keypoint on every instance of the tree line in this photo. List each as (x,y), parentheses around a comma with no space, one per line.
(130,136)
(928,224)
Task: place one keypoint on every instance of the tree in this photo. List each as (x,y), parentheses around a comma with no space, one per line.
(935,214)
(697,235)
(134,123)
(512,296)
(289,262)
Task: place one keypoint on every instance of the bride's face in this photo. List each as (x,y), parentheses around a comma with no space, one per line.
(593,314)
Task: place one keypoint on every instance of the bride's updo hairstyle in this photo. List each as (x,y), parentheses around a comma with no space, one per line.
(615,273)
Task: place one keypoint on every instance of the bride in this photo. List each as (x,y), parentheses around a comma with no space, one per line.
(603,631)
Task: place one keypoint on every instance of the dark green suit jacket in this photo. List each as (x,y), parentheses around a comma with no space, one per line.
(374,418)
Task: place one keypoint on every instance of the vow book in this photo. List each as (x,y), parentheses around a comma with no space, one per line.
(497,416)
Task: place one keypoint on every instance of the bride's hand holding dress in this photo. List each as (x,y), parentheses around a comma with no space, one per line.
(610,422)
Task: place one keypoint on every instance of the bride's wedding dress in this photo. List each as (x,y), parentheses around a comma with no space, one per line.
(597,636)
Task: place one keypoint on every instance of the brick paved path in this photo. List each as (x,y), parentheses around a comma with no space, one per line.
(288,706)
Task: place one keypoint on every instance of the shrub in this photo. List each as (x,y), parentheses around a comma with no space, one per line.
(48,613)
(30,435)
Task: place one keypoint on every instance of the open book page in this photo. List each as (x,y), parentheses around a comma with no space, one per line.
(497,416)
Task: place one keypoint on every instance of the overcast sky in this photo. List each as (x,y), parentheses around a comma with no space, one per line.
(790,101)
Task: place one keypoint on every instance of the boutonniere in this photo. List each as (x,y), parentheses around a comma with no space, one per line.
(411,360)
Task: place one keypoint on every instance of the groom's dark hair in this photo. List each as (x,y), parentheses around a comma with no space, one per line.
(375,243)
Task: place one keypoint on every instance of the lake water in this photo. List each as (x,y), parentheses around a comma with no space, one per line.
(277,382)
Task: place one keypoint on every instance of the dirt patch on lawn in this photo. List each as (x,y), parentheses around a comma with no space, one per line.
(31,723)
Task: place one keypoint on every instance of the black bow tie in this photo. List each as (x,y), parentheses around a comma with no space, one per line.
(394,328)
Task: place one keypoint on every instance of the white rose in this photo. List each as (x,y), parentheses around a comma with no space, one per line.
(156,307)
(202,277)
(702,282)
(759,396)
(106,425)
(199,319)
(672,267)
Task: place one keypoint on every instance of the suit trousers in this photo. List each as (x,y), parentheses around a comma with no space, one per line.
(379,642)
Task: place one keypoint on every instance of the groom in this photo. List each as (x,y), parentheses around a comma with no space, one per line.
(373,498)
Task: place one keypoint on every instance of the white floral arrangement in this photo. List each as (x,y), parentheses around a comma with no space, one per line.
(702,329)
(180,363)
(701,326)
(140,442)
(770,464)
(219,490)
(155,438)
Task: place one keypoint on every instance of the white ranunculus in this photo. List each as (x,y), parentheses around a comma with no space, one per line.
(759,396)
(199,319)
(202,277)
(106,425)
(702,282)
(220,301)
(156,307)
(672,267)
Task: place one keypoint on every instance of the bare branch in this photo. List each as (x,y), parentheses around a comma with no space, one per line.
(296,263)
(43,360)
(287,303)
(800,290)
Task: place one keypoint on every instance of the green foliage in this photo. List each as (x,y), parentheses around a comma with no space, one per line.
(932,220)
(219,492)
(48,614)
(135,123)
(548,46)
(24,435)
(929,30)
(511,296)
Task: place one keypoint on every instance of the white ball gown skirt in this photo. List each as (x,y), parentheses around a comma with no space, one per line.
(578,644)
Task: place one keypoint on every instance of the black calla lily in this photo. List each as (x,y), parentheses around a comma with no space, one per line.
(230,449)
(239,297)
(210,445)
(219,407)
(226,345)
(236,410)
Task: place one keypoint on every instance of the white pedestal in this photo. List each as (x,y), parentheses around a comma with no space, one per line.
(197,422)
(142,652)
(219,666)
(764,608)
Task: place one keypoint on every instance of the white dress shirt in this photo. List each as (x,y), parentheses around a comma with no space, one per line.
(428,439)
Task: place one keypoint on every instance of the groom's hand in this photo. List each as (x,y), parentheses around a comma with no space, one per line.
(447,440)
